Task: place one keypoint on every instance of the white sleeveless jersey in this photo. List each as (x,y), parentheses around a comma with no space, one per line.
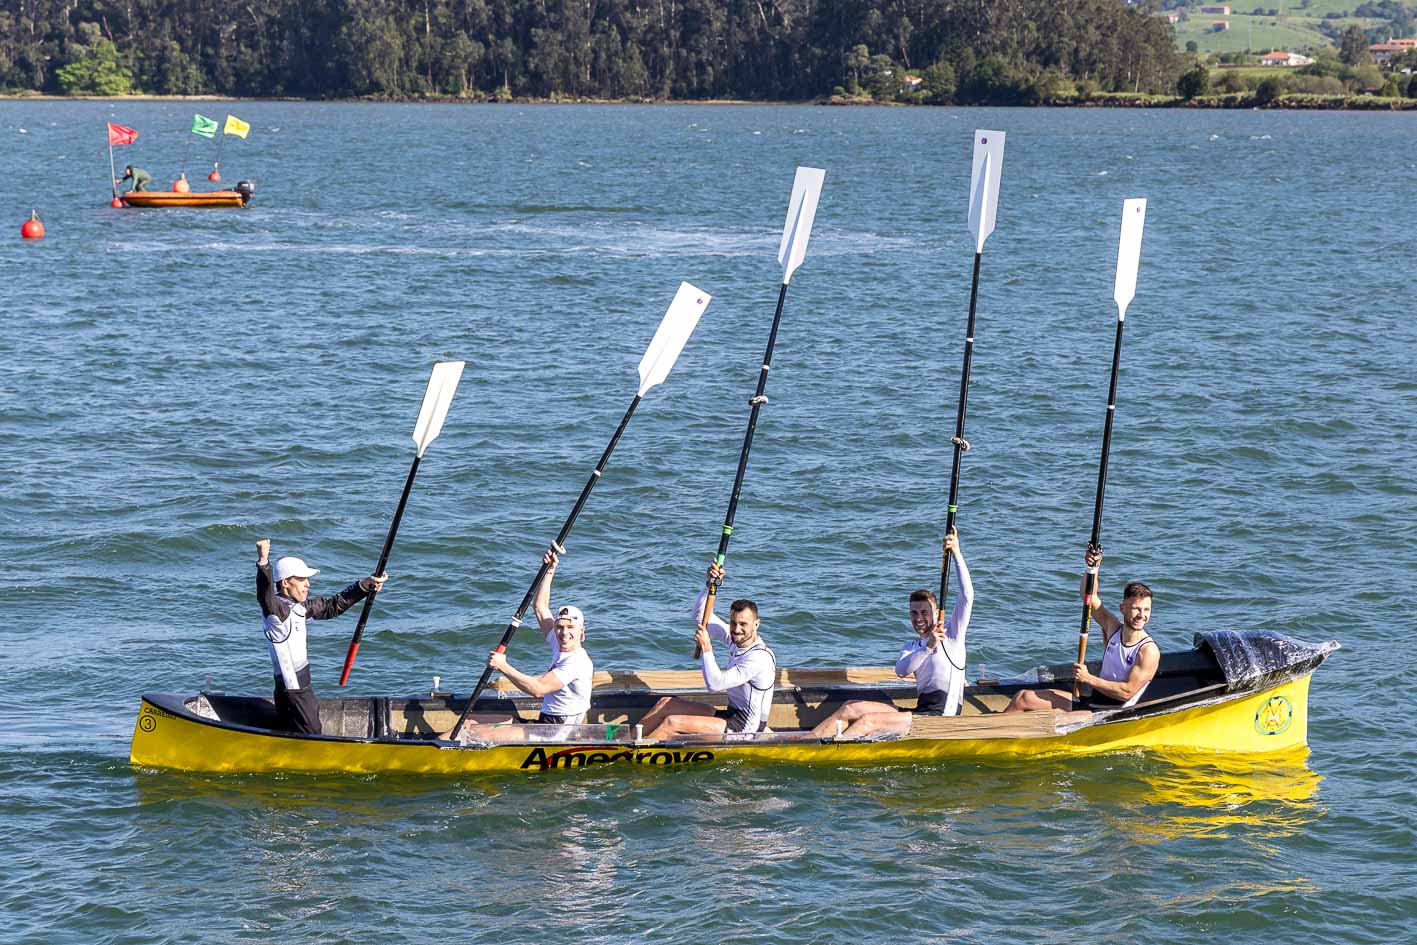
(1117,662)
(286,641)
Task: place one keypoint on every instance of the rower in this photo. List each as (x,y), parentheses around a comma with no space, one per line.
(748,678)
(1129,659)
(564,688)
(285,601)
(140,178)
(936,659)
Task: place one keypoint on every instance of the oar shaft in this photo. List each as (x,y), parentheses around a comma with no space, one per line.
(559,545)
(756,406)
(959,441)
(379,569)
(1095,543)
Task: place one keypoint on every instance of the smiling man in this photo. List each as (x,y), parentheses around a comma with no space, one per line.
(748,677)
(285,605)
(564,688)
(1129,656)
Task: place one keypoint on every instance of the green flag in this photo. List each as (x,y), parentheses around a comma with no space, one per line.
(204,126)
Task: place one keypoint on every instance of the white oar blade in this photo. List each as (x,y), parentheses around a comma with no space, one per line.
(1129,253)
(674,331)
(984,184)
(436,401)
(801,211)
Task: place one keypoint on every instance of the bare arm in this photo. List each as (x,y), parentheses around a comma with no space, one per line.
(541,606)
(542,685)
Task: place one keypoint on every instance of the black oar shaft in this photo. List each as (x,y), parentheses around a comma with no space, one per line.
(960,444)
(1095,542)
(379,569)
(559,545)
(756,405)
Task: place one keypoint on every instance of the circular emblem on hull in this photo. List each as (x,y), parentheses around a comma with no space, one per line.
(1274,716)
(147,723)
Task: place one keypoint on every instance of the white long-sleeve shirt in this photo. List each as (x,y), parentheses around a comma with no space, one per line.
(749,676)
(941,668)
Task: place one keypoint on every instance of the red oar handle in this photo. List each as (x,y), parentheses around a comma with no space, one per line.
(349,661)
(704,617)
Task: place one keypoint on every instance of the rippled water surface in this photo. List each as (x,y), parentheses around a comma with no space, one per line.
(179,384)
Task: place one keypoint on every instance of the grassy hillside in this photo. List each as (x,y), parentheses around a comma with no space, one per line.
(1250,32)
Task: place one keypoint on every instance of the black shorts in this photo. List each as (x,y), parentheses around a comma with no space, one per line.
(544,719)
(737,719)
(931,703)
(1095,701)
(297,710)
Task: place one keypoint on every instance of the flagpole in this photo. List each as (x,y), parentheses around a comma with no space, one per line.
(112,170)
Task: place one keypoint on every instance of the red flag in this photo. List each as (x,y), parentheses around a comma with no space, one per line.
(120,134)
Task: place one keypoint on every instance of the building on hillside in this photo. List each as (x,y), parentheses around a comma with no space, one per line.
(911,82)
(1382,53)
(1285,59)
(1216,9)
(1219,26)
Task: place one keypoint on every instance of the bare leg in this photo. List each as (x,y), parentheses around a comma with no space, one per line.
(477,722)
(666,707)
(873,722)
(695,719)
(848,714)
(1035,700)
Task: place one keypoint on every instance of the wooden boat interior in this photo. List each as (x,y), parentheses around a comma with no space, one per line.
(803,698)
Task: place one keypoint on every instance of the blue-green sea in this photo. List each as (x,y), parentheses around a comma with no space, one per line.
(179,384)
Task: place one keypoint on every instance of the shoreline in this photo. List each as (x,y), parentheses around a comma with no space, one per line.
(1232,101)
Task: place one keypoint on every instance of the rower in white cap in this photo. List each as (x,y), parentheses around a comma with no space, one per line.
(564,688)
(285,605)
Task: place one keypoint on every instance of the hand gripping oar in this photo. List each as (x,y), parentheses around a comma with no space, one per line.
(796,232)
(983,205)
(441,386)
(1128,255)
(674,331)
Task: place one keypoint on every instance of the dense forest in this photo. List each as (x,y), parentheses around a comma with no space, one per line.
(997,51)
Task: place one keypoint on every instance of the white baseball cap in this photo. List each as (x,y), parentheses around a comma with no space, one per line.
(293,567)
(572,614)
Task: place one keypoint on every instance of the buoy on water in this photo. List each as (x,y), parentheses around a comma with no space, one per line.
(215,175)
(116,202)
(181,186)
(32,229)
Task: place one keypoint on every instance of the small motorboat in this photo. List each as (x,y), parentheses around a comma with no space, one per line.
(239,196)
(1235,692)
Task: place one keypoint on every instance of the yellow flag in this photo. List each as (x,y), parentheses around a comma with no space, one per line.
(235,126)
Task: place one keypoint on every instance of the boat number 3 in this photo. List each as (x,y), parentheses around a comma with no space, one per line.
(148,722)
(1274,716)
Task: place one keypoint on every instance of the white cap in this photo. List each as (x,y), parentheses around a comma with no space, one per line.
(293,567)
(572,614)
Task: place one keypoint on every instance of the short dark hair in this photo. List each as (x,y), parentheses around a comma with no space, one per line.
(1135,589)
(743,603)
(923,595)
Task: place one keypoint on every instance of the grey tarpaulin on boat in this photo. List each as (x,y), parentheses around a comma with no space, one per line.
(1256,659)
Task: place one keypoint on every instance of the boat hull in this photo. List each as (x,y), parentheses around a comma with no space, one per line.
(163,198)
(1272,720)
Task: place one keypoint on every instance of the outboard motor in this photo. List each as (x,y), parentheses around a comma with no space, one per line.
(247,190)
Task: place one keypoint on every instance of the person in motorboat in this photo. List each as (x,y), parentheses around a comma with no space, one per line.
(749,677)
(1129,656)
(140,178)
(936,659)
(564,688)
(286,603)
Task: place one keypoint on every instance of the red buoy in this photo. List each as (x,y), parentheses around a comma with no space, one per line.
(181,186)
(214,176)
(116,202)
(32,229)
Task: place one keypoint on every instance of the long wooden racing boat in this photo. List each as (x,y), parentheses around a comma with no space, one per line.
(1236,691)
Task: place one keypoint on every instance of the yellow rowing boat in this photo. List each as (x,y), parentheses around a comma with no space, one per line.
(1236,691)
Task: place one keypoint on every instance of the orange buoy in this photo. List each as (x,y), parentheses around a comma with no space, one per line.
(181,186)
(32,229)
(116,202)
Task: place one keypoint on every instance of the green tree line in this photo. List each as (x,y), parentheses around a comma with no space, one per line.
(984,51)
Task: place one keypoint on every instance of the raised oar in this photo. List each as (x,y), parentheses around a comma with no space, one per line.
(441,386)
(983,205)
(1128,255)
(674,331)
(801,211)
